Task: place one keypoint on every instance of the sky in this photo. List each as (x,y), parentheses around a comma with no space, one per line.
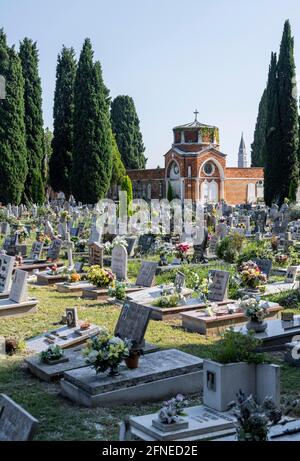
(170,56)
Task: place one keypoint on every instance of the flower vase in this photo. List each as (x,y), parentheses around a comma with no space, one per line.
(258,327)
(132,361)
(114,371)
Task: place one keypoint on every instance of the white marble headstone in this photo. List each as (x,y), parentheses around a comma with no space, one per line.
(18,292)
(119,259)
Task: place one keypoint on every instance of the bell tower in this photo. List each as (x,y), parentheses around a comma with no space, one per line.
(242,156)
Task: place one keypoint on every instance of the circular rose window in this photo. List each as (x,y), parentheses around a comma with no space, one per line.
(209,168)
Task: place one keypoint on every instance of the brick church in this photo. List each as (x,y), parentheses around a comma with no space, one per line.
(196,169)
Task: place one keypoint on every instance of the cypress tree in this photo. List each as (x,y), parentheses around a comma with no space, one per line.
(126,186)
(288,115)
(60,164)
(272,144)
(92,155)
(13,162)
(34,185)
(258,145)
(126,127)
(118,169)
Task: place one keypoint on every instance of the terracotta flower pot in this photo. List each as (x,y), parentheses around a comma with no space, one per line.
(132,361)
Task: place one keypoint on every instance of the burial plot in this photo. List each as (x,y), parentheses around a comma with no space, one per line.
(95,254)
(6,270)
(119,261)
(159,375)
(18,302)
(16,425)
(219,286)
(53,252)
(146,274)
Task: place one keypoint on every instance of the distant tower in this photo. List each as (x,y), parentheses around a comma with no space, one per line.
(242,160)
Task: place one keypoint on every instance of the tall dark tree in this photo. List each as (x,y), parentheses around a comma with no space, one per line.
(288,115)
(126,127)
(13,161)
(118,169)
(92,155)
(60,165)
(272,151)
(34,184)
(258,145)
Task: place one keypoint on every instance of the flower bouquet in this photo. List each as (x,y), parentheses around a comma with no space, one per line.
(106,352)
(170,415)
(251,275)
(182,250)
(117,290)
(74,277)
(256,311)
(99,276)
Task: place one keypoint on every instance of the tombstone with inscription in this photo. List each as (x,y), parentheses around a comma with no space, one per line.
(146,274)
(132,323)
(199,249)
(18,302)
(218,286)
(95,254)
(291,274)
(6,269)
(145,242)
(265,265)
(54,249)
(131,242)
(16,425)
(36,250)
(119,260)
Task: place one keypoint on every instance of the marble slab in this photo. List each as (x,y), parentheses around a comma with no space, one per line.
(159,375)
(64,287)
(10,308)
(43,278)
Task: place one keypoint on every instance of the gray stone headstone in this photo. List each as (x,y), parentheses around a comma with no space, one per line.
(15,423)
(265,265)
(291,274)
(131,242)
(95,254)
(146,274)
(132,323)
(119,261)
(53,252)
(36,250)
(18,292)
(219,286)
(6,269)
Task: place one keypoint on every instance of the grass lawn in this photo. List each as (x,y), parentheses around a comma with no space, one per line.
(59,418)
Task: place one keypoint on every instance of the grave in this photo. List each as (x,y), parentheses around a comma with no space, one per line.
(265,265)
(18,302)
(54,249)
(95,254)
(159,375)
(146,274)
(219,286)
(16,424)
(145,242)
(132,324)
(6,270)
(47,278)
(131,243)
(119,259)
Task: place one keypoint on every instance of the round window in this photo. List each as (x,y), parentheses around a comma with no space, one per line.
(209,168)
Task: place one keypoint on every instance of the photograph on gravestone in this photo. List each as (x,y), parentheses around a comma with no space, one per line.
(132,323)
(146,274)
(16,425)
(72,317)
(18,292)
(218,285)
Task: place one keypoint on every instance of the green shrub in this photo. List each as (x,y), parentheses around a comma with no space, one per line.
(229,247)
(236,347)
(257,249)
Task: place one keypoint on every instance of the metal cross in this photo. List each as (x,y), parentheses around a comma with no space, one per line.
(196,113)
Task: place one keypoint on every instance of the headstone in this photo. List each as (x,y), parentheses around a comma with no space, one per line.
(291,274)
(18,292)
(145,242)
(132,323)
(72,317)
(219,285)
(74,231)
(36,250)
(53,252)
(265,265)
(213,245)
(119,261)
(146,274)
(6,269)
(78,267)
(179,282)
(131,242)
(16,425)
(95,254)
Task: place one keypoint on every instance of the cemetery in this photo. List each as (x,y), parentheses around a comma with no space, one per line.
(141,302)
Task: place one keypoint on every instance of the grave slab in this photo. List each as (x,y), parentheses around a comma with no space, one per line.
(65,287)
(43,278)
(16,425)
(159,375)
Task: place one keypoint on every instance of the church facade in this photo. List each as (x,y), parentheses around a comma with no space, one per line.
(195,168)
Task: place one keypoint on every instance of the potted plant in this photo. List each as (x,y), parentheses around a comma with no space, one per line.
(253,420)
(170,416)
(256,311)
(252,276)
(99,276)
(53,355)
(106,352)
(118,290)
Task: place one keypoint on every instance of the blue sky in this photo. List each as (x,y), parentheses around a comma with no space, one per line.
(171,56)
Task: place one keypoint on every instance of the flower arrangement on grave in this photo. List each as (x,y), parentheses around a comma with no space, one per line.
(171,413)
(164,250)
(181,251)
(241,225)
(106,352)
(117,290)
(251,275)
(74,277)
(118,240)
(65,215)
(256,311)
(274,242)
(253,420)
(22,234)
(99,276)
(53,353)
(282,260)
(168,300)
(53,270)
(80,245)
(18,260)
